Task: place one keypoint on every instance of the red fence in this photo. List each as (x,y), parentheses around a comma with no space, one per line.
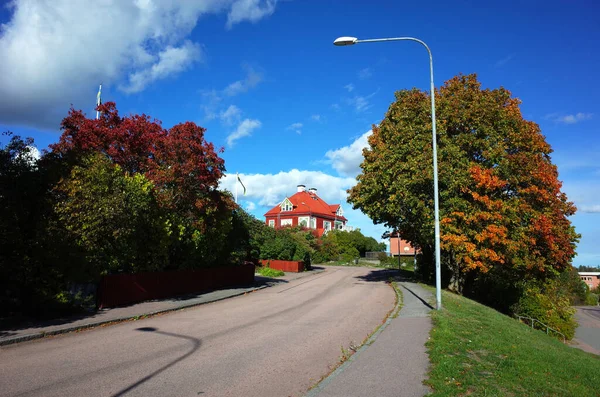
(124,289)
(285,266)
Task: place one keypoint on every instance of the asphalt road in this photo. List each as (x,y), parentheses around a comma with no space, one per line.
(587,335)
(275,342)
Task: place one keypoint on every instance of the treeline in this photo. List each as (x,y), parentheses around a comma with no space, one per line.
(124,195)
(114,195)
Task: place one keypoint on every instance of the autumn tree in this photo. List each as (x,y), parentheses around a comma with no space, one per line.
(182,166)
(503,215)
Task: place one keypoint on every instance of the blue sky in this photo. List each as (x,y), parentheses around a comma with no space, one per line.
(290,108)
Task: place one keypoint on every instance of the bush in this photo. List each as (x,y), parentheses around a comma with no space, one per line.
(268,272)
(591,299)
(548,304)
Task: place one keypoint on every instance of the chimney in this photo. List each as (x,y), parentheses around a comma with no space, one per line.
(312,190)
(301,188)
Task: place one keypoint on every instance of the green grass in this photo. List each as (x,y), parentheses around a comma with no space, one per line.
(268,272)
(475,350)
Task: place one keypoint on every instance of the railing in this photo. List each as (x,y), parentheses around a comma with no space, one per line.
(548,328)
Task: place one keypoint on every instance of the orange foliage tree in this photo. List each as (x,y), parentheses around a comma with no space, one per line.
(502,210)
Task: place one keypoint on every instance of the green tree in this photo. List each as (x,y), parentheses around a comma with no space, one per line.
(113,217)
(503,215)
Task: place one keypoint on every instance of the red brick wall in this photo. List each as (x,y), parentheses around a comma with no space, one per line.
(284,266)
(125,289)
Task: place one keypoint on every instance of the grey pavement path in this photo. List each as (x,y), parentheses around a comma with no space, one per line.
(34,330)
(396,362)
(587,334)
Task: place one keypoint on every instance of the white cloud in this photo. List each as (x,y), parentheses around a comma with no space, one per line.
(575,118)
(253,78)
(245,128)
(296,127)
(315,117)
(590,209)
(231,115)
(360,103)
(270,189)
(504,61)
(250,10)
(172,60)
(569,118)
(349,87)
(55,53)
(249,206)
(346,160)
(365,73)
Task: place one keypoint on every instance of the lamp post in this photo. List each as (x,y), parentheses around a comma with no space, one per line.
(343,41)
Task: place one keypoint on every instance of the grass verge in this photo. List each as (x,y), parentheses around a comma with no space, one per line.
(475,350)
(268,272)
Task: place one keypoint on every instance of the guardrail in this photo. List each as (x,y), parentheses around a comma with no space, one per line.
(535,320)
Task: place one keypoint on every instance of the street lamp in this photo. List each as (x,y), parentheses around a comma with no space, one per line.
(343,41)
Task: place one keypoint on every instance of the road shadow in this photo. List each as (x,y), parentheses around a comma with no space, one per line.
(261,281)
(377,275)
(9,326)
(196,343)
(399,276)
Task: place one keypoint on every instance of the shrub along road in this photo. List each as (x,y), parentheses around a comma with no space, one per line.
(274,342)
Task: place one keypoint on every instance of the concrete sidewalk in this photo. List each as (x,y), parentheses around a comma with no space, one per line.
(395,363)
(25,331)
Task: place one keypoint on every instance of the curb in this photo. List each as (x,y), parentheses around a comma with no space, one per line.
(40,335)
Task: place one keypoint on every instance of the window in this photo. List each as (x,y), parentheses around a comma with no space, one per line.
(272,222)
(286,205)
(286,222)
(340,211)
(303,221)
(327,225)
(313,223)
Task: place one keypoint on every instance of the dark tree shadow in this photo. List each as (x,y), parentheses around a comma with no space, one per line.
(396,275)
(195,346)
(10,325)
(387,275)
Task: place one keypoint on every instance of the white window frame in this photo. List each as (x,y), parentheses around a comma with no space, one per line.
(340,211)
(327,225)
(286,205)
(305,219)
(271,222)
(286,222)
(313,223)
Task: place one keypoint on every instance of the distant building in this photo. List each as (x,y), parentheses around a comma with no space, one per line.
(401,247)
(306,208)
(592,279)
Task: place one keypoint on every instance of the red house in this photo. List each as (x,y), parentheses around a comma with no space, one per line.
(306,208)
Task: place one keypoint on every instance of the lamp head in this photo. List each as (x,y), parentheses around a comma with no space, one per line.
(340,41)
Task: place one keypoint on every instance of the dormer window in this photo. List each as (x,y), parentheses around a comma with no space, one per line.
(286,205)
(339,211)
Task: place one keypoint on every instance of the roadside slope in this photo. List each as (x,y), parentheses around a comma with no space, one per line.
(475,350)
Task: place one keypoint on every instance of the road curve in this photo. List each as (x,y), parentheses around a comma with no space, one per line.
(275,342)
(587,334)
